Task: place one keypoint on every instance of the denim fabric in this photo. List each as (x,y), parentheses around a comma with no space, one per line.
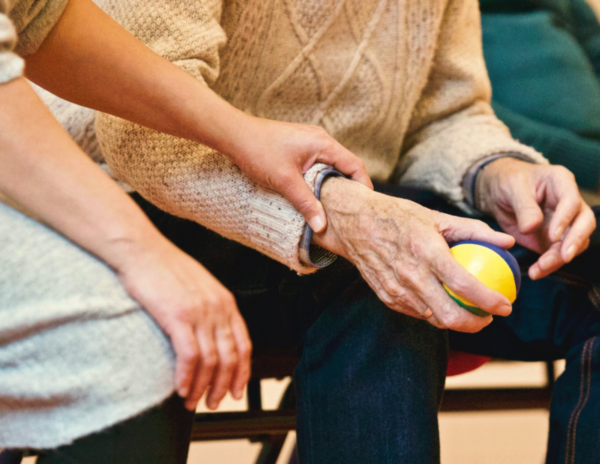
(158,436)
(370,380)
(556,318)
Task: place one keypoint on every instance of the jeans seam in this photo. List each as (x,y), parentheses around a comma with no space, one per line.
(584,394)
(574,280)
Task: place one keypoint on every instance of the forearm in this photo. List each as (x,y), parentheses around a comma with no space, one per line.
(44,171)
(90,60)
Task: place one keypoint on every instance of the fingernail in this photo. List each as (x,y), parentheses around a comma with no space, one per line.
(190,406)
(570,252)
(183,391)
(558,234)
(547,262)
(317,224)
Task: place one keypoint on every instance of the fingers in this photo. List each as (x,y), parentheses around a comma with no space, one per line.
(207,366)
(187,354)
(455,229)
(228,359)
(244,351)
(528,212)
(569,206)
(299,194)
(218,356)
(562,252)
(467,286)
(336,155)
(449,314)
(577,238)
(547,263)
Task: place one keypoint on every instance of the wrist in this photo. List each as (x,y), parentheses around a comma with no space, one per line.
(488,178)
(132,247)
(344,201)
(231,132)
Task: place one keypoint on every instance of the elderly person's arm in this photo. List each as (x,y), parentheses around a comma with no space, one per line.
(399,247)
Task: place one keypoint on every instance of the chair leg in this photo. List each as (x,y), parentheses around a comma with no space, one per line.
(11,457)
(272,445)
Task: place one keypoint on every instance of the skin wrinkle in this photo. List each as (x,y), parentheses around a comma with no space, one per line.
(400,250)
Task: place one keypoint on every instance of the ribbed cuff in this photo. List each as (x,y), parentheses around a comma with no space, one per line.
(470,178)
(311,254)
(11,66)
(278,230)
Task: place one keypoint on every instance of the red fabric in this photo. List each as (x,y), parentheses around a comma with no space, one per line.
(460,363)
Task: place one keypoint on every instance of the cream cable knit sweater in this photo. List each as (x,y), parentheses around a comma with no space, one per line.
(401,83)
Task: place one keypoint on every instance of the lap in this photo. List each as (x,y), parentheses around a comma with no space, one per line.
(75,350)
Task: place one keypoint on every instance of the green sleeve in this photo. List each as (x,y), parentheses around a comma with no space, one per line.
(578,154)
(586,29)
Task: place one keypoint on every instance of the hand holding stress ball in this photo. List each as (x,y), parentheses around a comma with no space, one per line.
(494,267)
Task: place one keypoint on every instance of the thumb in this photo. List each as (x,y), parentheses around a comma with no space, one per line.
(303,199)
(528,212)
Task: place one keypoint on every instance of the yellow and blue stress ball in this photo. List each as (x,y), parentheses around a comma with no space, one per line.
(494,267)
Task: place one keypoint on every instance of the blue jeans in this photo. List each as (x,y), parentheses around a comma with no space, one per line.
(370,380)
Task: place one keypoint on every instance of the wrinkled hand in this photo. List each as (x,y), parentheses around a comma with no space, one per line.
(200,316)
(277,154)
(540,206)
(402,252)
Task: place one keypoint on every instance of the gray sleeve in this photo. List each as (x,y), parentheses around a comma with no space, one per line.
(11,66)
(33,20)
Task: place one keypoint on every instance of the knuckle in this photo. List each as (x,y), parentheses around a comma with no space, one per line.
(245,349)
(227,299)
(450,319)
(209,360)
(563,172)
(457,285)
(190,355)
(229,361)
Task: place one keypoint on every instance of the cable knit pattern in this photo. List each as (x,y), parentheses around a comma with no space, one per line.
(400,83)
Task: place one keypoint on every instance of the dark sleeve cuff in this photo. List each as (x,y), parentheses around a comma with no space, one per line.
(309,253)
(470,178)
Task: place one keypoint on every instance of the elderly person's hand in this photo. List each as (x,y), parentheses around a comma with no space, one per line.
(401,250)
(540,206)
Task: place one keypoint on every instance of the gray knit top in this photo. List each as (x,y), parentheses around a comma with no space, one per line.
(77,354)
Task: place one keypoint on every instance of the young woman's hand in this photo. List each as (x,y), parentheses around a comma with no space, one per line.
(198,313)
(276,155)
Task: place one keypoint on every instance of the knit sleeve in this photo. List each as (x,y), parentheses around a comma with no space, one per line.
(184,178)
(34,19)
(453,125)
(11,65)
(578,154)
(586,28)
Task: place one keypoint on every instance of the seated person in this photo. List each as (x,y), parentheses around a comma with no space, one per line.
(403,85)
(543,58)
(100,343)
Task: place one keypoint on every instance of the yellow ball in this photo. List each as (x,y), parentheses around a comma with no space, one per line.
(494,267)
